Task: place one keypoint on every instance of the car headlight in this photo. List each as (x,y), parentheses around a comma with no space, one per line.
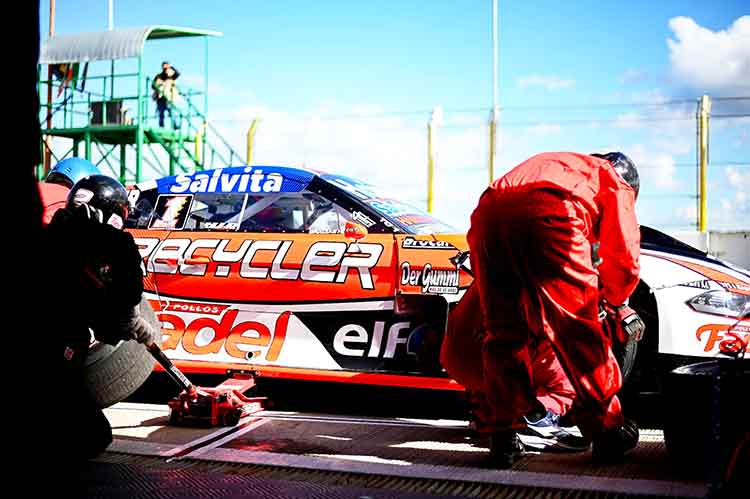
(721,303)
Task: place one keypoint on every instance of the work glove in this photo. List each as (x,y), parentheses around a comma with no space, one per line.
(629,320)
(131,327)
(140,330)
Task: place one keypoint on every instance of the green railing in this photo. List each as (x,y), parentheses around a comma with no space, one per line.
(191,142)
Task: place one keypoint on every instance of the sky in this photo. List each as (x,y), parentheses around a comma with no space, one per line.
(349,87)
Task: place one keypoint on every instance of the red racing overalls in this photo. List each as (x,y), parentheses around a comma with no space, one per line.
(530,242)
(461,354)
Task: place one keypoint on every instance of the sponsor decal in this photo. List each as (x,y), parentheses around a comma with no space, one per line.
(386,222)
(436,281)
(704,284)
(220,225)
(740,287)
(720,337)
(242,180)
(326,262)
(412,243)
(353,340)
(194,308)
(239,339)
(171,212)
(360,217)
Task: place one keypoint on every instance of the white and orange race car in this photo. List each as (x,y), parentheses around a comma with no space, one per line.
(253,267)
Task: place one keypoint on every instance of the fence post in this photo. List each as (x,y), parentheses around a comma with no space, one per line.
(251,140)
(493,141)
(199,146)
(704,111)
(435,119)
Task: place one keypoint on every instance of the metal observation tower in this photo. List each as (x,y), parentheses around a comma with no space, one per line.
(113,116)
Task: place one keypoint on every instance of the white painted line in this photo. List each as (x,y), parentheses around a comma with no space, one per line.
(132,406)
(441,472)
(324,418)
(248,427)
(198,441)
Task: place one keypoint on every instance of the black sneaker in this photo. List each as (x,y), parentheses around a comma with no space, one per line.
(548,434)
(505,449)
(611,445)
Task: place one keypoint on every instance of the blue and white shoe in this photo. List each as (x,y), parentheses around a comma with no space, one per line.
(546,434)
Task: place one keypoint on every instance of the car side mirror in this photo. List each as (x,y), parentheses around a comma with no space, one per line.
(355,231)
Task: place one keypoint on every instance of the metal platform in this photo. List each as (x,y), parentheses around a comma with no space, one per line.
(390,455)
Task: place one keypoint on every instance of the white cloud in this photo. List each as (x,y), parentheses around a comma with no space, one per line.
(547,82)
(656,168)
(710,60)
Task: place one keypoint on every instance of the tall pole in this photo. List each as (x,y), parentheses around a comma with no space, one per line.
(251,141)
(111,15)
(430,164)
(435,120)
(48,150)
(495,110)
(704,111)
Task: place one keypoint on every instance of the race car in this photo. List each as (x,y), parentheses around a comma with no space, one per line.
(306,275)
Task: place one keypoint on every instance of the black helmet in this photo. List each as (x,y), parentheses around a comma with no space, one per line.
(625,167)
(103,193)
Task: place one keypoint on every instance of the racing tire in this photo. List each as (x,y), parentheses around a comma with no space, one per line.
(114,372)
(626,355)
(700,444)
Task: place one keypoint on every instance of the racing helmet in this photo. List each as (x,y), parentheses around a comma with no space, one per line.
(625,167)
(69,171)
(103,193)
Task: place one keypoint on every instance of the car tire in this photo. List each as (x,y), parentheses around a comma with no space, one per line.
(626,355)
(700,441)
(114,372)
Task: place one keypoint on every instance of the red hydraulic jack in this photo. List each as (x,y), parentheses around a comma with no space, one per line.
(224,405)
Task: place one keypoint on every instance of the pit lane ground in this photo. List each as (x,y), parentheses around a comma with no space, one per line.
(332,440)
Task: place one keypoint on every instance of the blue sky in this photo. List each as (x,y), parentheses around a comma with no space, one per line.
(349,87)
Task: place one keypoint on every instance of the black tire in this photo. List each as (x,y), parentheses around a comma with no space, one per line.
(113,372)
(626,356)
(703,441)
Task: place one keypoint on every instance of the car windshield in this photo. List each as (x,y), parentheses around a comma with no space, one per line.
(411,218)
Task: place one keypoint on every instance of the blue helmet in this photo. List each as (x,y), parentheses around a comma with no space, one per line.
(69,171)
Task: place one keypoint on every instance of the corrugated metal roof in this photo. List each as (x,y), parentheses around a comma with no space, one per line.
(119,43)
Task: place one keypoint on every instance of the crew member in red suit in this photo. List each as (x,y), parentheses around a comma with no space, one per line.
(461,354)
(531,240)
